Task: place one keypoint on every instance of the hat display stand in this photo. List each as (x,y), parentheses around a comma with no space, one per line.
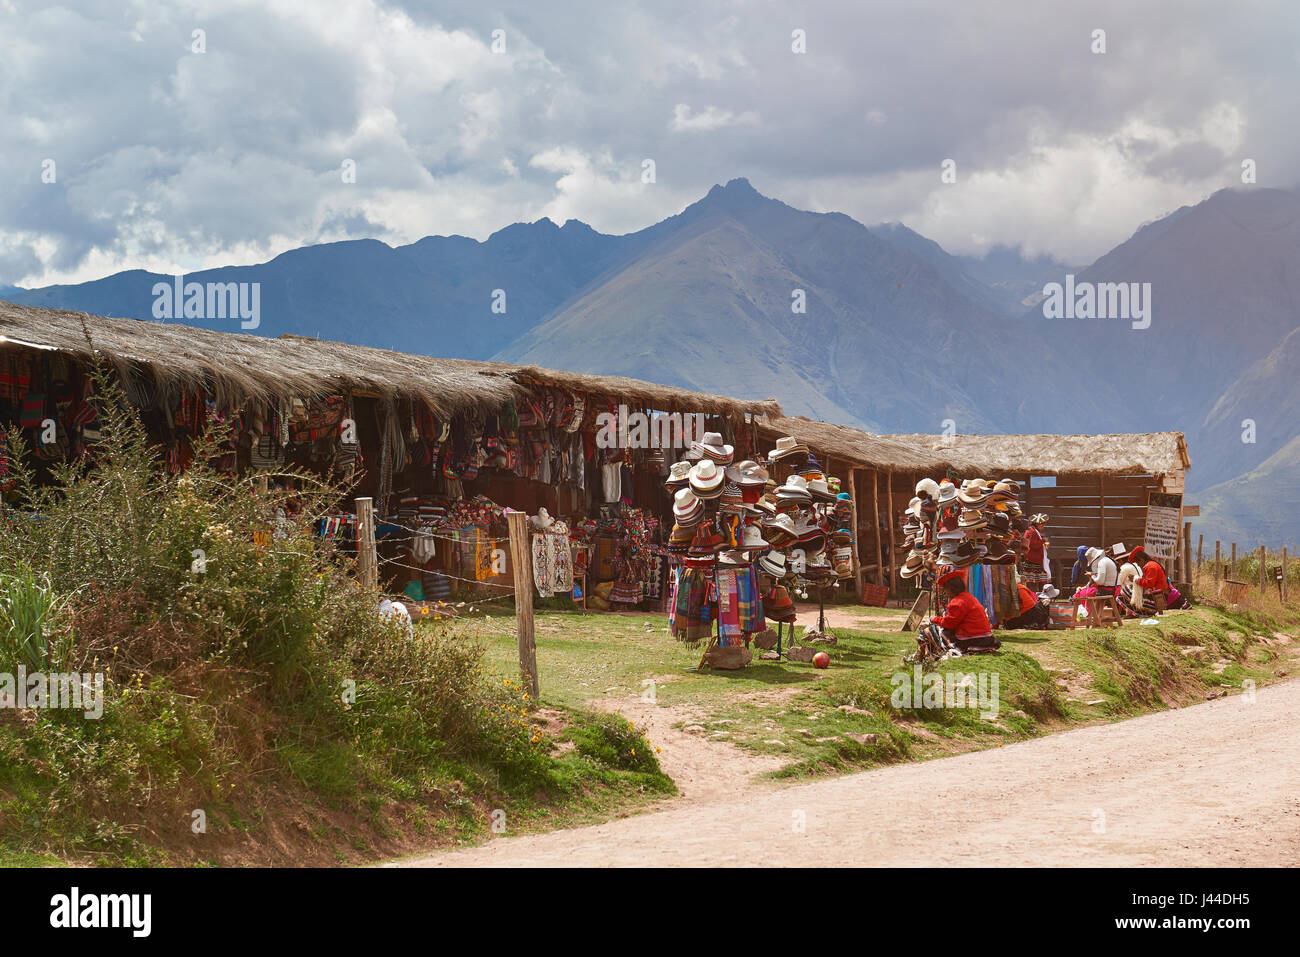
(975,528)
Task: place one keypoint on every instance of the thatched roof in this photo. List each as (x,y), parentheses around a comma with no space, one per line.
(859,448)
(662,398)
(237,366)
(1145,453)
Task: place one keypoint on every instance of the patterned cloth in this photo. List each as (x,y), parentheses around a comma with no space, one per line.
(552,561)
(740,606)
(690,614)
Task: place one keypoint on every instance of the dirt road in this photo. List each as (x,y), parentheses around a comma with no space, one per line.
(1214,784)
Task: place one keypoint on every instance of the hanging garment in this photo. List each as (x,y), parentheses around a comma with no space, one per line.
(552,561)
(611,479)
(690,614)
(423,546)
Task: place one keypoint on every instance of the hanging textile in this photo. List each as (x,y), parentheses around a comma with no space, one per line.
(690,615)
(552,561)
(611,477)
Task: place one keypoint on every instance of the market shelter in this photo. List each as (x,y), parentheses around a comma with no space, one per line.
(440,445)
(880,473)
(1095,489)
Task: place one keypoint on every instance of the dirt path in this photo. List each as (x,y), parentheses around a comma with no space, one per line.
(704,769)
(1214,784)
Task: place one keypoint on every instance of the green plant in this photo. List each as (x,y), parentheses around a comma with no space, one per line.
(29,619)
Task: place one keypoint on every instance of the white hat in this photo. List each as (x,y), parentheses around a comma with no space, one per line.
(753,538)
(712,446)
(772,563)
(685,504)
(928,486)
(787,445)
(706,479)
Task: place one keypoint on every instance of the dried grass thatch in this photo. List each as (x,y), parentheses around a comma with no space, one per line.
(1143,453)
(859,448)
(237,366)
(662,398)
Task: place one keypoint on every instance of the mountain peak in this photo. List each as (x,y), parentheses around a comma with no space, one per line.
(738,194)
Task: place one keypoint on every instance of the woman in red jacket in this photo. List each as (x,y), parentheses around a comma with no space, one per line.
(1154,581)
(964,622)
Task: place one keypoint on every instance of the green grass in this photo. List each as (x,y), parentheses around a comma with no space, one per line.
(813,719)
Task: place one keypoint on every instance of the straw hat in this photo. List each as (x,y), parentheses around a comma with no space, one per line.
(706,479)
(712,447)
(785,447)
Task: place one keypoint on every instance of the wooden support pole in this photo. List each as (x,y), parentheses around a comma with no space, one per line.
(1218,561)
(1187,551)
(521,558)
(1101,492)
(858,581)
(1284,574)
(1232,566)
(367,558)
(889,517)
(1263,569)
(1200,544)
(875,510)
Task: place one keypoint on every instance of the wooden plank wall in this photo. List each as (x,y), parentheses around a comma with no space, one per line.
(1091,510)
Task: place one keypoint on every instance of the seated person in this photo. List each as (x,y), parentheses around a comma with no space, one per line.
(1033,613)
(1102,571)
(1141,581)
(964,623)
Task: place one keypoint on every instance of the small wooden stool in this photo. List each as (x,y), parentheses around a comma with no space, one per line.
(1103,612)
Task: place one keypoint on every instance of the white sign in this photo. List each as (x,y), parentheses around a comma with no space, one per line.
(1164,525)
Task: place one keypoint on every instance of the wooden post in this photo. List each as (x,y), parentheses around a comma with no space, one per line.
(1187,551)
(1284,588)
(1200,544)
(858,580)
(367,558)
(1263,569)
(875,510)
(521,557)
(1232,567)
(1101,491)
(889,517)
(1218,561)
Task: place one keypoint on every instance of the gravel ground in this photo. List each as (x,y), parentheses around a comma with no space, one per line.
(1214,784)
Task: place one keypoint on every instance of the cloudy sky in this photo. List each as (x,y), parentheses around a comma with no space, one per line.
(171,151)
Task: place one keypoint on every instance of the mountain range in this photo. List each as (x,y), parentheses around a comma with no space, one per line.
(877,326)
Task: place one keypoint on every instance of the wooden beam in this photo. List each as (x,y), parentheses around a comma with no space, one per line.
(521,557)
(858,580)
(889,517)
(367,558)
(875,509)
(1101,490)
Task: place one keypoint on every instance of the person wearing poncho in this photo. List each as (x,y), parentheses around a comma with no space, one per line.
(964,623)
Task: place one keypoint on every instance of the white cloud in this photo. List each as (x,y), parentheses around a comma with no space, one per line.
(708,119)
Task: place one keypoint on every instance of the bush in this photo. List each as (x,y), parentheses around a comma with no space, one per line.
(234,643)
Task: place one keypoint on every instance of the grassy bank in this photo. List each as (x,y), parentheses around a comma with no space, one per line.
(253,706)
(843,718)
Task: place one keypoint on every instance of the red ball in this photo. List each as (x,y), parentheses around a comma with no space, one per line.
(821,660)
